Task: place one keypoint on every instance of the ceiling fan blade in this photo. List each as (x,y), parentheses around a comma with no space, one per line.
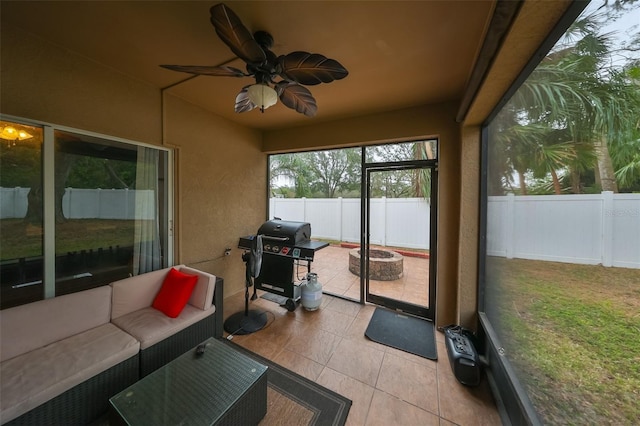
(223,71)
(297,97)
(243,104)
(310,68)
(235,35)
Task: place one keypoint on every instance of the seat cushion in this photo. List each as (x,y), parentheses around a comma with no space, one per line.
(28,327)
(150,326)
(35,377)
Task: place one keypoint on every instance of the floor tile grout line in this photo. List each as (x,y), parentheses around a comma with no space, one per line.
(350,337)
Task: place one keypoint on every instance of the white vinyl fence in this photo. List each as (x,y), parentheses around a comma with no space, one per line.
(588,229)
(396,222)
(85,203)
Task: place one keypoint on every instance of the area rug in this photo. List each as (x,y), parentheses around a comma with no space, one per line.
(296,400)
(405,332)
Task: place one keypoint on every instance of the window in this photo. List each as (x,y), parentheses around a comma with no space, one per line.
(21,213)
(560,280)
(103,205)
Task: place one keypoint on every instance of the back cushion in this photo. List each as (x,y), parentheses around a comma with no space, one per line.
(28,327)
(202,296)
(135,293)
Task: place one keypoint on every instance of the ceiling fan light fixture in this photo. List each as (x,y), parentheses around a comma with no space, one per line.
(262,95)
(22,135)
(9,133)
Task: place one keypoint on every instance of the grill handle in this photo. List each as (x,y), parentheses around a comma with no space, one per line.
(282,239)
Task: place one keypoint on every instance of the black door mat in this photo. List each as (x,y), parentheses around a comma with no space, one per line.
(404,332)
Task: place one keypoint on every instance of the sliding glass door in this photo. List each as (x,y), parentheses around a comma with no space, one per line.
(107,214)
(94,210)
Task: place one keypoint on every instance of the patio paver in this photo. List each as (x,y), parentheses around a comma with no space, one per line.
(332,266)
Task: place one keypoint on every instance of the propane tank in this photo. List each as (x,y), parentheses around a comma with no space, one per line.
(311,292)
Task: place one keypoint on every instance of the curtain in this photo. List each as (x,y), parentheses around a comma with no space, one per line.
(146,246)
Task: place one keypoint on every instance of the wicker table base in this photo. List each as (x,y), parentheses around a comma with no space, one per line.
(219,387)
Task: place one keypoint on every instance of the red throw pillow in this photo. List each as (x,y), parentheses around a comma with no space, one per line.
(175,292)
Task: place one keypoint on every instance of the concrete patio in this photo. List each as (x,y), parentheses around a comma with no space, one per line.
(332,266)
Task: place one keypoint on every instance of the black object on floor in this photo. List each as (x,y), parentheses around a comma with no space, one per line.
(280,300)
(328,407)
(404,332)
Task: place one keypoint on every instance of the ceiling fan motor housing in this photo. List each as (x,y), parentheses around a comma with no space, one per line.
(264,39)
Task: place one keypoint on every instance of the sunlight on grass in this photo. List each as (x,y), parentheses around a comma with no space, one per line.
(571,331)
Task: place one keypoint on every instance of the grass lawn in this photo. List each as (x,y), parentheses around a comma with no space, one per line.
(573,334)
(21,239)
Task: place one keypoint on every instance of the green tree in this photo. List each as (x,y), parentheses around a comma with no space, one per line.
(572,113)
(334,171)
(327,174)
(292,166)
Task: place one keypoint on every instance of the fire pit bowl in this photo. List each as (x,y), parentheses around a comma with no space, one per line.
(384,265)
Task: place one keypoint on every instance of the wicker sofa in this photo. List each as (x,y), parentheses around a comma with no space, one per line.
(161,338)
(61,359)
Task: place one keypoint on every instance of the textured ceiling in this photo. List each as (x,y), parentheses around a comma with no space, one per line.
(398,54)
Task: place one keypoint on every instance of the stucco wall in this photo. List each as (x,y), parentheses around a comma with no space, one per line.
(41,81)
(469,227)
(221,190)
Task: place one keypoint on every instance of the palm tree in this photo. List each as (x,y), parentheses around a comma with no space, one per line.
(422,177)
(587,107)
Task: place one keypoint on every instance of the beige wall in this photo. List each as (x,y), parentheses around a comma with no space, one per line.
(403,124)
(220,192)
(43,82)
(467,291)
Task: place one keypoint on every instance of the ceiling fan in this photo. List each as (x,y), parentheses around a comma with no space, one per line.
(291,71)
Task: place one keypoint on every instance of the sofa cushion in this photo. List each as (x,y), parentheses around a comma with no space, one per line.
(202,296)
(150,326)
(31,326)
(175,292)
(37,376)
(137,292)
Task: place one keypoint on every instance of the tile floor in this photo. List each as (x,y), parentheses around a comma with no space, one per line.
(387,386)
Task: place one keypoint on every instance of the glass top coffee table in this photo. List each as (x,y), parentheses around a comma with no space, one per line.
(218,387)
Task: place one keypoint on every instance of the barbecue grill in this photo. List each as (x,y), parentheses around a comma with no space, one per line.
(285,245)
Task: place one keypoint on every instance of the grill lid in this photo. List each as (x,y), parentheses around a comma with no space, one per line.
(286,232)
